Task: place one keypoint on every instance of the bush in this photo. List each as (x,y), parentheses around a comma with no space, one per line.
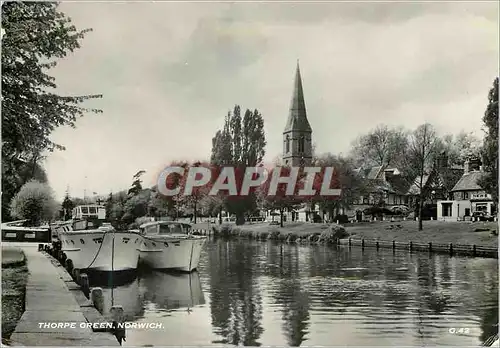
(342,219)
(34,202)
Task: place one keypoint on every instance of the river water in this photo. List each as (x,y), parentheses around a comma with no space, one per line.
(258,293)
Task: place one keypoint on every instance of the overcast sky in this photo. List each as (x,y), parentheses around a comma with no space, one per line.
(169,73)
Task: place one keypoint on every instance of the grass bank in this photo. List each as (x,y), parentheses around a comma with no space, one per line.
(14,280)
(437,232)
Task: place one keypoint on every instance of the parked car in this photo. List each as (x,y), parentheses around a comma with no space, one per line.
(482,216)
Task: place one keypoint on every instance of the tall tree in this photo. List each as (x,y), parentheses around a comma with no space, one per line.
(136,183)
(459,147)
(423,144)
(241,143)
(109,205)
(490,143)
(36,35)
(382,146)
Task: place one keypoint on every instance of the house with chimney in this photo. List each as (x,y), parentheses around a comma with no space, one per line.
(466,197)
(391,187)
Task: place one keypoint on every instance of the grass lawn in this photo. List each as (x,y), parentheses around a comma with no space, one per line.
(438,232)
(433,231)
(14,281)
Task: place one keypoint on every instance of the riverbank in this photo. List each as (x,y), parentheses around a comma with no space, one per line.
(14,280)
(466,236)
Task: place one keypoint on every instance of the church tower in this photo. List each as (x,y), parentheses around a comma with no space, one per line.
(297,142)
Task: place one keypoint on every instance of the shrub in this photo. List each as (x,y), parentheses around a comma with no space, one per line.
(34,202)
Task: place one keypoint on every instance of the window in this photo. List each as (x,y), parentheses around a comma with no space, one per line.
(82,241)
(287,144)
(301,144)
(447,209)
(85,210)
(465,195)
(467,211)
(92,210)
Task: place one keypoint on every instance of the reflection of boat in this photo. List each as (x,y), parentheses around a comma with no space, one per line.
(126,296)
(170,245)
(172,291)
(101,249)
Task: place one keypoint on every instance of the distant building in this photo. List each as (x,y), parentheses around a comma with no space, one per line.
(297,136)
(467,197)
(297,145)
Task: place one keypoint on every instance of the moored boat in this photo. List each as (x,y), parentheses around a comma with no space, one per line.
(170,245)
(103,249)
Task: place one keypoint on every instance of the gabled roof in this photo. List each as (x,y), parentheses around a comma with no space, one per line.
(469,181)
(415,187)
(399,185)
(374,172)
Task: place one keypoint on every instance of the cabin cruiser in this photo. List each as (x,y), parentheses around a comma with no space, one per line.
(170,245)
(99,249)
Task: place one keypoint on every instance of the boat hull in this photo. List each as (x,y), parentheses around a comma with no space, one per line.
(180,254)
(93,250)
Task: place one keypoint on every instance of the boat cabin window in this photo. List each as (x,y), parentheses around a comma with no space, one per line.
(92,210)
(85,210)
(153,229)
(167,229)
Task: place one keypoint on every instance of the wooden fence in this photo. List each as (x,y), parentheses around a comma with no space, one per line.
(451,249)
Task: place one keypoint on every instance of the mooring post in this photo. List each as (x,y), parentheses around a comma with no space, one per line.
(393,245)
(411,246)
(63,258)
(84,279)
(363,244)
(69,266)
(474,250)
(451,249)
(376,244)
(430,247)
(97,299)
(350,242)
(118,322)
(76,275)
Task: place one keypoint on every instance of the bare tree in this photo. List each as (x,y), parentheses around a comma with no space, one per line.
(382,146)
(423,143)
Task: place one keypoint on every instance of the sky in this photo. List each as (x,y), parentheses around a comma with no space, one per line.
(169,72)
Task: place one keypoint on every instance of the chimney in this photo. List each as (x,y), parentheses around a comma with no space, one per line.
(466,166)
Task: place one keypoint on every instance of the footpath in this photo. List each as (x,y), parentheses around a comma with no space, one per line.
(49,300)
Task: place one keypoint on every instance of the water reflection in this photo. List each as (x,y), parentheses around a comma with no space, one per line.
(172,291)
(273,294)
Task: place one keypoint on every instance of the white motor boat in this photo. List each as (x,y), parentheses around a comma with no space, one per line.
(170,245)
(103,249)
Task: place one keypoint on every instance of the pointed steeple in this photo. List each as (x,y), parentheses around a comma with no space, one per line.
(297,117)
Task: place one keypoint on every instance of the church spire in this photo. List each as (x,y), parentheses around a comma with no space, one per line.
(297,117)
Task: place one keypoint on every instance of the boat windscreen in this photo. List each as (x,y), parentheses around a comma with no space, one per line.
(173,228)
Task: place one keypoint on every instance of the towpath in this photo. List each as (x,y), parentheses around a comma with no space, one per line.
(49,300)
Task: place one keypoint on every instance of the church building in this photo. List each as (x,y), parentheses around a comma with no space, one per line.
(297,136)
